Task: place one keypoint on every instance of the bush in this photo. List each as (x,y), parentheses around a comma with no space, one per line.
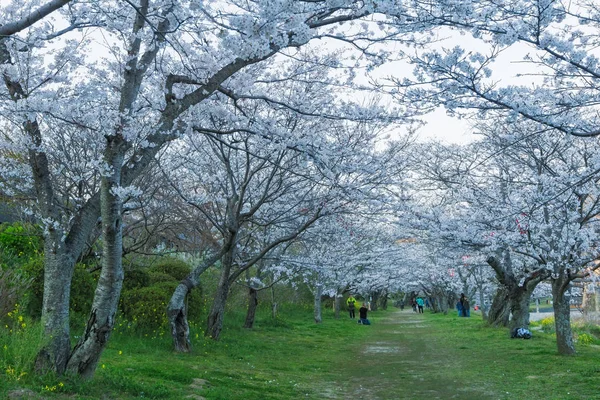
(146,293)
(83,286)
(21,339)
(548,324)
(146,307)
(178,269)
(135,278)
(21,240)
(158,277)
(14,284)
(585,339)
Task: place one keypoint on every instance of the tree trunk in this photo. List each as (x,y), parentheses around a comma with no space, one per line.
(215,318)
(177,310)
(58,273)
(273,304)
(591,303)
(177,315)
(374,300)
(86,353)
(519,307)
(337,305)
(562,315)
(317,304)
(384,300)
(481,304)
(252,305)
(500,309)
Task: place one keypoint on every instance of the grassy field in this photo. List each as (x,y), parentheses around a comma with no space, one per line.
(401,356)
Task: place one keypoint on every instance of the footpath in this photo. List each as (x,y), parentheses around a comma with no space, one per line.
(403,362)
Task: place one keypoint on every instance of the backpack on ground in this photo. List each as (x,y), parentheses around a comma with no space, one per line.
(521,333)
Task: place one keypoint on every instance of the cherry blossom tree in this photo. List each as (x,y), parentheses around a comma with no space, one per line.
(158,65)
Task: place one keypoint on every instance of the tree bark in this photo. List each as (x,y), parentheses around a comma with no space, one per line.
(384,300)
(177,310)
(58,273)
(337,305)
(216,315)
(317,304)
(500,309)
(519,307)
(375,300)
(177,315)
(516,296)
(591,303)
(273,304)
(88,350)
(481,304)
(562,315)
(252,305)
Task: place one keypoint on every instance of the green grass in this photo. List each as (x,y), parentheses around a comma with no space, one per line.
(401,356)
(449,357)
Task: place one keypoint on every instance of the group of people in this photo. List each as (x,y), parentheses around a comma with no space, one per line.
(417,304)
(463,307)
(362,311)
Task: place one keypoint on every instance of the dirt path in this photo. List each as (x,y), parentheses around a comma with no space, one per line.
(403,362)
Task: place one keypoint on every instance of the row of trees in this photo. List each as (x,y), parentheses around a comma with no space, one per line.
(229,117)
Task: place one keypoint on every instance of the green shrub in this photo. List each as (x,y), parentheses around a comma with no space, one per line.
(83,287)
(158,277)
(178,269)
(585,339)
(146,308)
(34,270)
(14,285)
(135,277)
(22,240)
(548,324)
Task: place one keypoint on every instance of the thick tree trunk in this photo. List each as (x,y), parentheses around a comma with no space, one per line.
(177,315)
(252,305)
(86,353)
(317,304)
(519,307)
(500,309)
(58,273)
(562,315)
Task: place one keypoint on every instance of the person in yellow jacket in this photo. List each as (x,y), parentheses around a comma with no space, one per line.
(351,303)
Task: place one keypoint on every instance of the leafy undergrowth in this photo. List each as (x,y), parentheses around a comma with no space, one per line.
(285,358)
(402,355)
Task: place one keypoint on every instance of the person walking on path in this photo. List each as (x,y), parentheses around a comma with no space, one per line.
(420,304)
(351,303)
(362,314)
